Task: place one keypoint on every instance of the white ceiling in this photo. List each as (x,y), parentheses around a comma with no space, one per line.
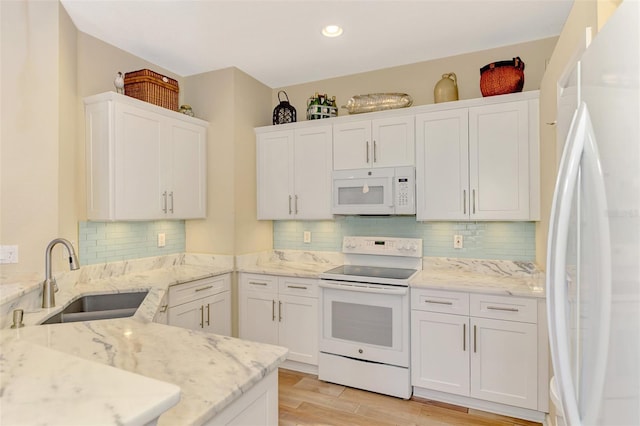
(279,42)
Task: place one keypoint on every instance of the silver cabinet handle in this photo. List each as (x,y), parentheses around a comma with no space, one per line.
(367,152)
(279,311)
(164,308)
(273,310)
(204,288)
(438,302)
(499,308)
(374,152)
(289,204)
(301,287)
(201,316)
(464,201)
(171,198)
(475,339)
(164,196)
(208,314)
(257,283)
(296,204)
(474,201)
(464,337)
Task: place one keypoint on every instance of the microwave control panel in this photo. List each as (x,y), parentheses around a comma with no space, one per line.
(405,190)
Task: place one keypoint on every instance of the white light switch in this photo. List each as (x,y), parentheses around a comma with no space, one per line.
(457,241)
(161,239)
(8,254)
(307,236)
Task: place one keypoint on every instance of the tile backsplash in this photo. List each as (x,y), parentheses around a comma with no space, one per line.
(482,240)
(100,242)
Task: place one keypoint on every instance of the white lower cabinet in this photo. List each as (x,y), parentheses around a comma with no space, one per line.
(281,311)
(478,346)
(203,305)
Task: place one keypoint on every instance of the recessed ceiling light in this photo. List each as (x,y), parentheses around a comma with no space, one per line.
(331,31)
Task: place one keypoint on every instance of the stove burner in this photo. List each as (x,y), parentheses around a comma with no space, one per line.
(372,272)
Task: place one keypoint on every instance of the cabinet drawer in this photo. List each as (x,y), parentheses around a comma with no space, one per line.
(504,308)
(194,290)
(298,286)
(255,282)
(448,302)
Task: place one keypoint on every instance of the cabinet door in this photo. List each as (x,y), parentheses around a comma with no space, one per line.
(189,315)
(499,161)
(393,142)
(313,166)
(187,163)
(298,327)
(139,169)
(442,169)
(217,316)
(275,175)
(504,362)
(352,145)
(440,352)
(258,316)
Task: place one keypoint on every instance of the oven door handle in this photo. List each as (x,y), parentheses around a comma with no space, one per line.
(399,291)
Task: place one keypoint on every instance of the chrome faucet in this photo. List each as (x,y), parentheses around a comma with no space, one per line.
(49,286)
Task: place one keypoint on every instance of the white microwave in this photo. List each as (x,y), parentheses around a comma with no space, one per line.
(383,191)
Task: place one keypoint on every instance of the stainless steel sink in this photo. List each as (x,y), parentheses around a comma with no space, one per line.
(99,306)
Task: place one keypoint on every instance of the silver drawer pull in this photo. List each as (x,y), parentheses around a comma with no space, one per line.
(164,308)
(301,287)
(498,308)
(256,283)
(438,302)
(204,288)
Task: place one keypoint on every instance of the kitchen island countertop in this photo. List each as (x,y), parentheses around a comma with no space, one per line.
(212,371)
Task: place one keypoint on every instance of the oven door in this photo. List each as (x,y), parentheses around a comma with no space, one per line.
(365,321)
(363,191)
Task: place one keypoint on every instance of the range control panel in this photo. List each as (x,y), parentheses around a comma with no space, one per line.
(385,246)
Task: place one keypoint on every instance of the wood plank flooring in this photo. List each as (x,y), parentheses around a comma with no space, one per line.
(304,400)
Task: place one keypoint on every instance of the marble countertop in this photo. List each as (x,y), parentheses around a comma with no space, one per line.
(481,276)
(211,371)
(86,392)
(516,278)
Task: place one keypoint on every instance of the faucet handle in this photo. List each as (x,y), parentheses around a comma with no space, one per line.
(17,318)
(55,284)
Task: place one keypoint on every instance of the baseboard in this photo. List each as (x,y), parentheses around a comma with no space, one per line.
(478,404)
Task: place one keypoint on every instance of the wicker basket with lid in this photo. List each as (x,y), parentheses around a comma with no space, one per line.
(149,86)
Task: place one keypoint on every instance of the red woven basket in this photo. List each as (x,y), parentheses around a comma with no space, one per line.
(500,78)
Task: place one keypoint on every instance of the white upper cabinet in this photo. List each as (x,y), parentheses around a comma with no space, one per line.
(294,173)
(383,142)
(143,162)
(479,163)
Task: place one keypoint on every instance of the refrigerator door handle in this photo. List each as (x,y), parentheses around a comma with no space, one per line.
(580,146)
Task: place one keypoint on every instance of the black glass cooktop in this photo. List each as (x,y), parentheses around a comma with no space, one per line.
(372,272)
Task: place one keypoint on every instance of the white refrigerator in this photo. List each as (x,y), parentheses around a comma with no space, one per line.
(593,263)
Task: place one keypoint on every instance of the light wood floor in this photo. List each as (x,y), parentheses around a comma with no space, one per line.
(304,400)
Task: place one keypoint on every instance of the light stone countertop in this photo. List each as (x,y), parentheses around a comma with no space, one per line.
(481,276)
(211,371)
(516,278)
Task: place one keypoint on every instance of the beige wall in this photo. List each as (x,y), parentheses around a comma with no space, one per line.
(419,79)
(68,121)
(29,131)
(252,101)
(211,97)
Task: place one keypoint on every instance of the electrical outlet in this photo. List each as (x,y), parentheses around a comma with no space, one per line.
(307,236)
(161,239)
(8,254)
(457,242)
